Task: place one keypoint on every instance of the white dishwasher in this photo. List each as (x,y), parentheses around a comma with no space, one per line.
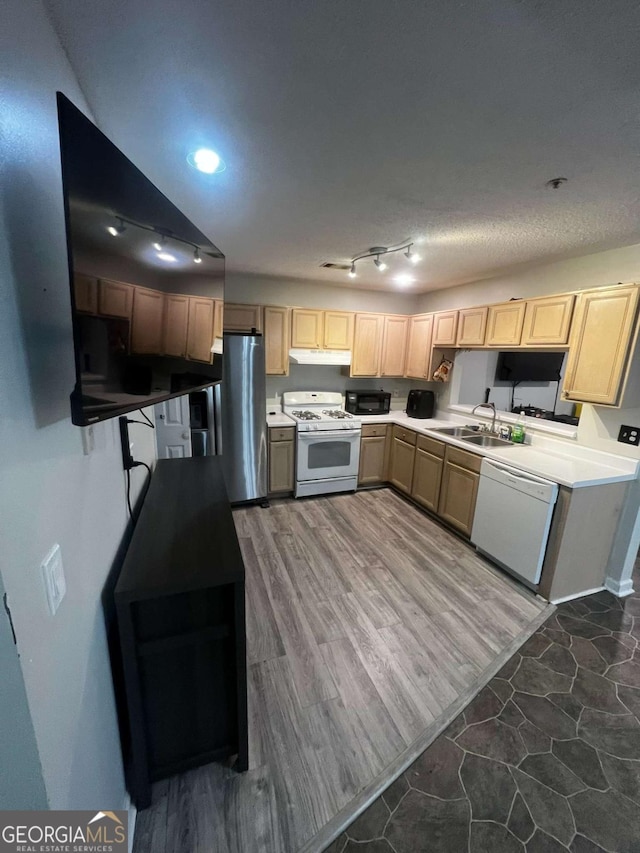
(512,519)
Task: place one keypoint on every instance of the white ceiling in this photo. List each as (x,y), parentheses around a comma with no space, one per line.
(346,124)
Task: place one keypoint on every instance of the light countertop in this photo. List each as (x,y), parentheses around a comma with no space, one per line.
(554,459)
(279,419)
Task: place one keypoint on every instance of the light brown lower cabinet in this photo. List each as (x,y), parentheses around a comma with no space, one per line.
(373,455)
(427,476)
(281,459)
(402,458)
(459,489)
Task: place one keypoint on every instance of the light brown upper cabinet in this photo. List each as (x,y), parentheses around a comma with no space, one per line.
(306,328)
(472,326)
(367,345)
(419,348)
(394,346)
(242,318)
(218,320)
(504,324)
(338,330)
(115,298)
(147,321)
(277,333)
(547,321)
(445,327)
(602,338)
(85,291)
(200,332)
(176,323)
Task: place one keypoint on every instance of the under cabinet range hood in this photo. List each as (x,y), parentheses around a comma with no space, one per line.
(319,356)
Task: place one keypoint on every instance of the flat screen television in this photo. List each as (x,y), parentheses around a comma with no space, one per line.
(529,366)
(147,286)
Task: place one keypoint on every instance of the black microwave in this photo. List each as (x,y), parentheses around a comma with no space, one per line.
(367,402)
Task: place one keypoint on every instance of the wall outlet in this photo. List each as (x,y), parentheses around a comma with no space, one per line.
(629,435)
(54,581)
(396,393)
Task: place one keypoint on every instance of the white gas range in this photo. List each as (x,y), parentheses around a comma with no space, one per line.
(328,442)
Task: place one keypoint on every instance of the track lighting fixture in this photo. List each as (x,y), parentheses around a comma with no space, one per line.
(196,256)
(376,251)
(116,230)
(161,243)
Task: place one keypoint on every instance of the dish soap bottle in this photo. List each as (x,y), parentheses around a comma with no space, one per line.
(517,431)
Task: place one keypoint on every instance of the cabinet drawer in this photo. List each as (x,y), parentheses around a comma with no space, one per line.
(369,430)
(406,435)
(282,433)
(470,461)
(431,445)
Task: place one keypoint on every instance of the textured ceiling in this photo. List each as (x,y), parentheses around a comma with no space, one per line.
(346,124)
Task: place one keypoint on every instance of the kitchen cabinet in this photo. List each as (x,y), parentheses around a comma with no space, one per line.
(547,321)
(472,326)
(603,335)
(147,321)
(176,324)
(115,298)
(85,290)
(277,334)
(504,324)
(307,327)
(427,472)
(338,330)
(402,458)
(373,454)
(459,489)
(218,320)
(394,346)
(445,327)
(281,459)
(367,345)
(419,346)
(242,318)
(200,330)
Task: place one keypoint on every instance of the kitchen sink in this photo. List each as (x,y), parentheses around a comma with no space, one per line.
(484,440)
(457,432)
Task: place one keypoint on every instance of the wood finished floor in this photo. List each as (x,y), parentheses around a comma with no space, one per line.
(365,621)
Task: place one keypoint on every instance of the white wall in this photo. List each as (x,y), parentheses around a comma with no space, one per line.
(49,491)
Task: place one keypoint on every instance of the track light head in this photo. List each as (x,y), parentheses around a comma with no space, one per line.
(411,256)
(116,230)
(196,256)
(352,271)
(380,264)
(160,244)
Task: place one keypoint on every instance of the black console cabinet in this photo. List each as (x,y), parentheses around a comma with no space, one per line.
(181,617)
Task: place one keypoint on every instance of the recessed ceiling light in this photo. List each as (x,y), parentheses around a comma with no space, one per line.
(206,160)
(167,256)
(404,279)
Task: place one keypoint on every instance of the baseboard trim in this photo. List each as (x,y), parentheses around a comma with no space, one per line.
(619,588)
(331,830)
(578,595)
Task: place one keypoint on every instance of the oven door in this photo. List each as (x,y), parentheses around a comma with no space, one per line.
(328,455)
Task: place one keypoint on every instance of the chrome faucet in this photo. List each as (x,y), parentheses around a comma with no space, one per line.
(487,406)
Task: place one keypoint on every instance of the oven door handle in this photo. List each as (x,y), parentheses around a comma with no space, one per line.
(353,434)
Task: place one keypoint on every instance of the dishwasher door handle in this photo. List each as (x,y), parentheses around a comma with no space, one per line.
(518,475)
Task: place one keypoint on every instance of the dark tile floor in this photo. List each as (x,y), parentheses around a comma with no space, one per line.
(545,758)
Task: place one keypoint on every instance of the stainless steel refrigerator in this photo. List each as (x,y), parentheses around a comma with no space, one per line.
(244,417)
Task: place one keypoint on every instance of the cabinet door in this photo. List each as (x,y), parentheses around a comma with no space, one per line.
(547,321)
(472,326)
(85,291)
(306,328)
(602,333)
(372,460)
(147,321)
(427,475)
(419,347)
(367,345)
(242,318)
(200,333)
(504,324)
(445,327)
(458,495)
(394,346)
(115,298)
(218,320)
(281,470)
(401,464)
(277,332)
(176,322)
(338,330)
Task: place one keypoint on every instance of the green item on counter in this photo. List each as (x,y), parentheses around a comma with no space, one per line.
(517,430)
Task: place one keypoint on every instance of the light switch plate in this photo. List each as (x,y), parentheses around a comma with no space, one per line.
(54,581)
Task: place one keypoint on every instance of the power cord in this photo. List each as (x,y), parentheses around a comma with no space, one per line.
(128,470)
